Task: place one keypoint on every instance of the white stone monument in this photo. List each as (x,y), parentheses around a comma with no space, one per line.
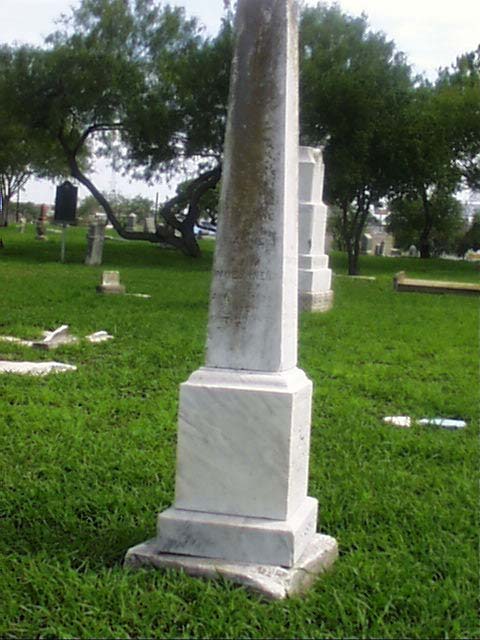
(111,283)
(241,507)
(149,225)
(314,276)
(131,221)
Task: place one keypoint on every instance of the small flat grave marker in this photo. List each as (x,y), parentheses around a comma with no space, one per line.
(111,283)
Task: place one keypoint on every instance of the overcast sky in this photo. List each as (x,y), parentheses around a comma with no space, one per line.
(432,33)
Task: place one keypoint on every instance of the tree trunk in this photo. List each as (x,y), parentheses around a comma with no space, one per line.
(352,261)
(354,239)
(424,241)
(199,187)
(5,211)
(187,242)
(348,241)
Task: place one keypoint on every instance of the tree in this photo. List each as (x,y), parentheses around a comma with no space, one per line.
(459,90)
(425,160)
(135,104)
(208,204)
(200,80)
(471,238)
(406,222)
(353,85)
(21,157)
(439,143)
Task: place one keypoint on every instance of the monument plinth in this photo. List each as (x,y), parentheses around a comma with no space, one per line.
(241,507)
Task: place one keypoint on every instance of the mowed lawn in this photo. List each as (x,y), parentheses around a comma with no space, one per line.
(88,458)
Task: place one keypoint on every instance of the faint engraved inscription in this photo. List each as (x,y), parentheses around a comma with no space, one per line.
(228,274)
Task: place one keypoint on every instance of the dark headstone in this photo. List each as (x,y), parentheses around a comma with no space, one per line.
(66,203)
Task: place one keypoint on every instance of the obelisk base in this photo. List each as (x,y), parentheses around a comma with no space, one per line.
(273,582)
(314,283)
(320,302)
(238,538)
(243,443)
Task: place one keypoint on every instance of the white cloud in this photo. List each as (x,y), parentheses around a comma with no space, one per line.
(431,33)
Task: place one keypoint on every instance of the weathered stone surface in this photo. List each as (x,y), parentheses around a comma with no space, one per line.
(322,301)
(149,225)
(238,538)
(41,223)
(131,221)
(253,305)
(314,276)
(243,443)
(111,283)
(272,582)
(34,368)
(57,338)
(95,241)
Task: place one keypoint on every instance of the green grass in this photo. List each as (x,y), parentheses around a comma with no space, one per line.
(87,459)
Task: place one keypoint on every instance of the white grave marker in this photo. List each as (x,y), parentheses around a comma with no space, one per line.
(241,501)
(111,283)
(314,276)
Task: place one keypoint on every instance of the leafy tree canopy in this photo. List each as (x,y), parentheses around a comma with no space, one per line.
(21,157)
(406,222)
(353,85)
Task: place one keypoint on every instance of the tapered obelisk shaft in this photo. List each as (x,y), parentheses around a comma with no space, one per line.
(253,309)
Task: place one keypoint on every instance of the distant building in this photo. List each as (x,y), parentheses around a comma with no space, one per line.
(380,215)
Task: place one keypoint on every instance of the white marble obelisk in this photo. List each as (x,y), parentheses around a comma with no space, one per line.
(314,276)
(241,507)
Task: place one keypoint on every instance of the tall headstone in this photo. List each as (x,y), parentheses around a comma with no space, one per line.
(366,244)
(241,506)
(131,221)
(314,276)
(95,240)
(149,225)
(41,223)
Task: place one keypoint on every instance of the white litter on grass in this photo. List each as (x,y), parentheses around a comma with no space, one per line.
(24,343)
(53,339)
(99,336)
(35,368)
(139,295)
(115,238)
(56,338)
(345,275)
(399,421)
(444,423)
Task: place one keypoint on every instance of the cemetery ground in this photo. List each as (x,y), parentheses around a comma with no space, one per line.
(88,457)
